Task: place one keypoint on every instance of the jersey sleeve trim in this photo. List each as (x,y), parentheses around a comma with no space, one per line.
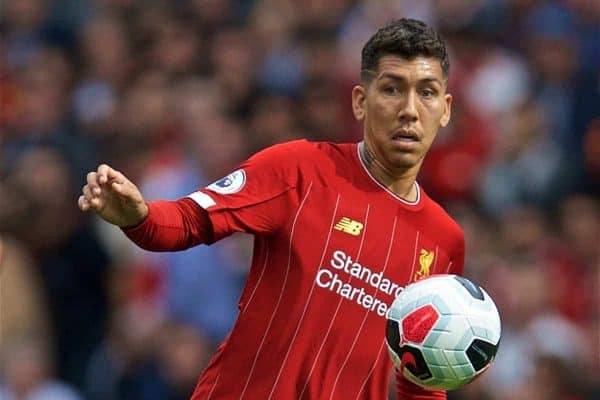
(202,199)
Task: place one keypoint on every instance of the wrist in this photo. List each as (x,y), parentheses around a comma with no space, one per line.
(142,215)
(144,211)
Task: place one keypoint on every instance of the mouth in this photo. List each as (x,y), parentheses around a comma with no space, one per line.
(405,136)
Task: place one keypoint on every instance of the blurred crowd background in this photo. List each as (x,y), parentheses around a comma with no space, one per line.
(175,93)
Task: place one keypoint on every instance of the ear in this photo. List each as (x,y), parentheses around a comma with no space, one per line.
(359,96)
(445,119)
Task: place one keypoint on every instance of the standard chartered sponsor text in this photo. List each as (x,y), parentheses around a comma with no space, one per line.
(332,280)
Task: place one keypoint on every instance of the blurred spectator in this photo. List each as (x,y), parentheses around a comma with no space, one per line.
(552,379)
(146,358)
(527,297)
(73,281)
(283,70)
(526,167)
(363,20)
(233,57)
(104,71)
(465,146)
(273,117)
(320,113)
(41,119)
(23,309)
(24,30)
(183,355)
(123,365)
(27,372)
(574,259)
(554,53)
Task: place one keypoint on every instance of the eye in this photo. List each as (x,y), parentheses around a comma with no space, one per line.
(427,93)
(391,90)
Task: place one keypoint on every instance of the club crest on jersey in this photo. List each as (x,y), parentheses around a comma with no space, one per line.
(232,183)
(425,260)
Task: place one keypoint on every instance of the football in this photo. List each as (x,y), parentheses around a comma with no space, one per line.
(442,332)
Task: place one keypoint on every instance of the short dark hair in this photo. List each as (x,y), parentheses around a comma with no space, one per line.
(407,38)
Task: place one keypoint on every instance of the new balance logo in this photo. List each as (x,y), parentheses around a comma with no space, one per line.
(349,226)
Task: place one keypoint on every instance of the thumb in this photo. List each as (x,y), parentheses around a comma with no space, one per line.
(108,174)
(126,190)
(117,187)
(114,175)
(122,189)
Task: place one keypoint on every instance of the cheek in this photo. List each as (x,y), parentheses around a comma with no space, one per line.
(383,112)
(372,114)
(431,116)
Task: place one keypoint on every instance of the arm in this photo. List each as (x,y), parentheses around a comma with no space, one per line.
(172,225)
(157,226)
(256,203)
(409,391)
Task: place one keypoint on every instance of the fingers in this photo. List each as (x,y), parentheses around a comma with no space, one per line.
(93,183)
(83,203)
(87,193)
(103,171)
(90,198)
(107,174)
(86,203)
(105,186)
(103,176)
(102,180)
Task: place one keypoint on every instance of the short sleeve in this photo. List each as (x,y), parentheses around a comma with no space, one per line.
(257,196)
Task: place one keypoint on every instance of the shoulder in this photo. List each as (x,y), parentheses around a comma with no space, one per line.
(303,154)
(280,155)
(303,146)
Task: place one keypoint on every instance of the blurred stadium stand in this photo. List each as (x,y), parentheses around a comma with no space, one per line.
(176,93)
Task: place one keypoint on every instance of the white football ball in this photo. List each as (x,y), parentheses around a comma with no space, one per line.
(442,332)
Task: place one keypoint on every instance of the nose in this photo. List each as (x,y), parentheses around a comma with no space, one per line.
(408,109)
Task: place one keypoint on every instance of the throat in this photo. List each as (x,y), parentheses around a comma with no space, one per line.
(401,183)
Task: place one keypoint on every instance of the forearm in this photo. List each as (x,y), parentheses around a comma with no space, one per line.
(172,225)
(409,391)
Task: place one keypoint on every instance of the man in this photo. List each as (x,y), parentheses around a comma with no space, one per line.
(339,230)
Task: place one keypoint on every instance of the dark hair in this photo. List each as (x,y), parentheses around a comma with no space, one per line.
(407,38)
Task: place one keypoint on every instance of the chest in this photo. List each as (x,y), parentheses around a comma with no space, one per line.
(370,239)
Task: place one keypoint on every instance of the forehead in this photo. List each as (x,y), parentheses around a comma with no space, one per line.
(419,67)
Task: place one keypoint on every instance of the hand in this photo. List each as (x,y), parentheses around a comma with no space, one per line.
(113,197)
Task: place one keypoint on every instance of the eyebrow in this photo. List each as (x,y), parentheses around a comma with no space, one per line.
(395,77)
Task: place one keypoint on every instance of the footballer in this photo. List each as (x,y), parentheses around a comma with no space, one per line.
(339,229)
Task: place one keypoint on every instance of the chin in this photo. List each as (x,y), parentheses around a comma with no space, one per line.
(404,162)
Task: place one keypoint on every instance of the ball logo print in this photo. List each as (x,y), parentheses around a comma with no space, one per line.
(417,324)
(230,184)
(442,332)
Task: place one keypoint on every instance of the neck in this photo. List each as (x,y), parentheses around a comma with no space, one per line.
(401,183)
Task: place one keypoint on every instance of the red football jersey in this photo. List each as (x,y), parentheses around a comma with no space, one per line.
(332,249)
